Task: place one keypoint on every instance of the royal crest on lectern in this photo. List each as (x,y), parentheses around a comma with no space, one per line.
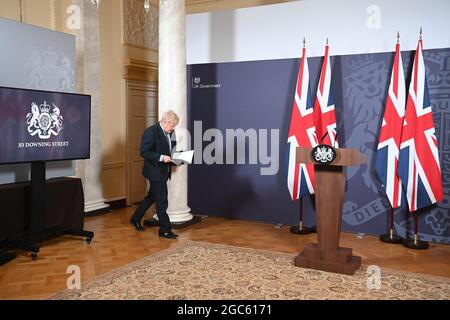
(44,120)
(323,154)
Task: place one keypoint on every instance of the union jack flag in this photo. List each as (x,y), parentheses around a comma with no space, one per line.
(391,133)
(324,111)
(300,177)
(419,168)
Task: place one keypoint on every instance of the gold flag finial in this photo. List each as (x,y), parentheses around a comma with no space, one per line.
(398,36)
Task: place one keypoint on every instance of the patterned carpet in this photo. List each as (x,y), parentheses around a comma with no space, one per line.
(197,270)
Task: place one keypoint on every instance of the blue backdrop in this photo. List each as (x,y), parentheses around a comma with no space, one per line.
(259,94)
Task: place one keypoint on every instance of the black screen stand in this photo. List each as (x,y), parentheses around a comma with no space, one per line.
(6,257)
(38,196)
(38,203)
(37,212)
(35,220)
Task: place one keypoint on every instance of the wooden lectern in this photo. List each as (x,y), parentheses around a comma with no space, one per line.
(326,254)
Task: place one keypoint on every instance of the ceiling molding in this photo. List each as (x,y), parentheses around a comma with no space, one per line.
(198,6)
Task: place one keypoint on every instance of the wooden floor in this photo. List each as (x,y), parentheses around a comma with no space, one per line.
(116,244)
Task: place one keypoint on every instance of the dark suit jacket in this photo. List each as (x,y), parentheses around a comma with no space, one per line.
(153,145)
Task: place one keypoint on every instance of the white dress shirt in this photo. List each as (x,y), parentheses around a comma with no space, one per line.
(161,158)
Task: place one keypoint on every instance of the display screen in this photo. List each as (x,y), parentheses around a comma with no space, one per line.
(43,126)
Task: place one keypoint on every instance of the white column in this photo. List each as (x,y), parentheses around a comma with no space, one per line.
(173,95)
(88,60)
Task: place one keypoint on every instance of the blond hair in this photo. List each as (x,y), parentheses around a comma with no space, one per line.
(170,117)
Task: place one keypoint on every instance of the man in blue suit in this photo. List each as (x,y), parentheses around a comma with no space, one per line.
(156,146)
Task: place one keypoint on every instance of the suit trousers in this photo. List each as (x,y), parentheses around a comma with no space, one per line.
(157,193)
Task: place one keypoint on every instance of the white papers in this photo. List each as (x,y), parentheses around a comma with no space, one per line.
(184,157)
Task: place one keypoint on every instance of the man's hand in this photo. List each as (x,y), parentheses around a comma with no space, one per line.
(167,159)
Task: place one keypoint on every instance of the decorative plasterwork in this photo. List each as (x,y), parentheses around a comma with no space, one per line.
(140,70)
(53,14)
(140,29)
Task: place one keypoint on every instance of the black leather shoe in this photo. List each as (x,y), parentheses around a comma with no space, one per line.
(137,226)
(168,235)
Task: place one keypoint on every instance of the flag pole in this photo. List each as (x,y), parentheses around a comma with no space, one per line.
(416,243)
(391,237)
(300,229)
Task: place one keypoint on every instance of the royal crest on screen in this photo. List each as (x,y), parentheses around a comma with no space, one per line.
(44,120)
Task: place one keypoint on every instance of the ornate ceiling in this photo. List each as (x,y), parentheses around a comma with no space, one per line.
(196,6)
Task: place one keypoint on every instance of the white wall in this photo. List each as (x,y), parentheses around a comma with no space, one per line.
(352,26)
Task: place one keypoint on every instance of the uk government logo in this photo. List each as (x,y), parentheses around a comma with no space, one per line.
(44,120)
(198,84)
